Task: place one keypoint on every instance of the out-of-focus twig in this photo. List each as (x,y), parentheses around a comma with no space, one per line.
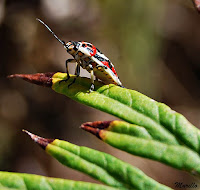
(193,4)
(196,5)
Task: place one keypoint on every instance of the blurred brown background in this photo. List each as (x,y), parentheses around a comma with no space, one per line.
(154,45)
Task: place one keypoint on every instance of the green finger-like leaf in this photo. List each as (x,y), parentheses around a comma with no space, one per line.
(103,99)
(174,155)
(161,122)
(76,162)
(124,173)
(19,181)
(98,165)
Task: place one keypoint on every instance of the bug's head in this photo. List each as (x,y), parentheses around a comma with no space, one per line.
(71,47)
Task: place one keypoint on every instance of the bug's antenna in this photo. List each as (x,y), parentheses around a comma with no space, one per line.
(61,41)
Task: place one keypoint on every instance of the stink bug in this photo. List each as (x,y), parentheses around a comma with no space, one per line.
(87,56)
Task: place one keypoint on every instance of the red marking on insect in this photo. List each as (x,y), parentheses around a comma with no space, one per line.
(106,63)
(114,71)
(94,50)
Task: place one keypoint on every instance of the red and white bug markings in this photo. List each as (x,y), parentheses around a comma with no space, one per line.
(101,65)
(87,56)
(90,47)
(106,63)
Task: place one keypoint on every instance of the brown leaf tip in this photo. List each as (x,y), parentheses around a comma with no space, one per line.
(97,124)
(39,140)
(96,127)
(94,131)
(43,79)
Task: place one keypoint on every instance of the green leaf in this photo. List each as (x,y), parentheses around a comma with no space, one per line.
(174,155)
(162,123)
(19,181)
(99,165)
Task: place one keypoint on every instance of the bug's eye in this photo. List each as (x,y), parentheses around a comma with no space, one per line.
(83,45)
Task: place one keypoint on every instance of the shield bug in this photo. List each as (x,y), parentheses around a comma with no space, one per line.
(87,56)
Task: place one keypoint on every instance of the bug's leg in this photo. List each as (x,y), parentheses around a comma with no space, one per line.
(67,71)
(92,78)
(77,73)
(66,63)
